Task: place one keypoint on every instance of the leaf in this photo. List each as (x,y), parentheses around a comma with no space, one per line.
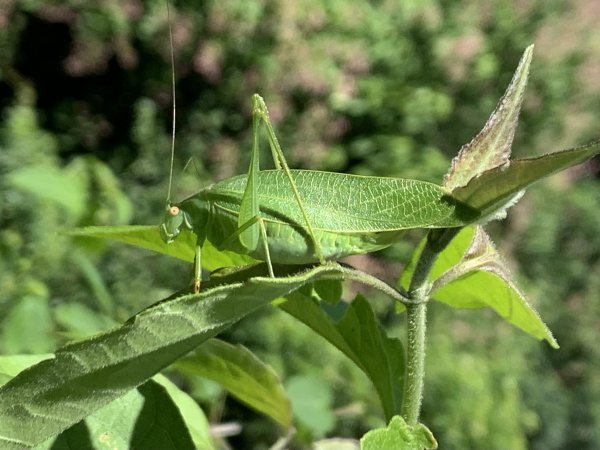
(84,376)
(193,416)
(148,237)
(494,188)
(28,327)
(469,273)
(108,186)
(399,436)
(486,288)
(146,417)
(492,146)
(335,444)
(11,365)
(451,256)
(243,375)
(66,188)
(328,290)
(312,403)
(80,320)
(360,337)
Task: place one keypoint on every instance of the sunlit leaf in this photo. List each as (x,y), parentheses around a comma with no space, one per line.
(312,402)
(478,278)
(243,375)
(28,327)
(494,188)
(53,395)
(11,365)
(336,444)
(191,413)
(148,237)
(399,435)
(146,417)
(66,188)
(492,146)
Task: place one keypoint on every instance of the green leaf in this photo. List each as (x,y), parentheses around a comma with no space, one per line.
(79,320)
(83,377)
(360,337)
(469,273)
(451,256)
(148,237)
(146,417)
(335,444)
(66,188)
(193,416)
(11,365)
(107,184)
(243,375)
(492,146)
(399,436)
(312,403)
(485,288)
(28,327)
(495,188)
(82,435)
(328,290)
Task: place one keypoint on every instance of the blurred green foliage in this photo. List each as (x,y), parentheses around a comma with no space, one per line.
(382,87)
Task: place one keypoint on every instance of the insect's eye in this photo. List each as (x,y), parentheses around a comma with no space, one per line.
(173,210)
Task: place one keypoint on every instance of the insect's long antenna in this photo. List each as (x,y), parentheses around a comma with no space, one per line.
(174,100)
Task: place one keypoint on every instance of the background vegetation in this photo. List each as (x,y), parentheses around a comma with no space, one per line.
(382,87)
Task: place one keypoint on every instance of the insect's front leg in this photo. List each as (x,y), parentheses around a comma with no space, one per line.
(198,269)
(253,221)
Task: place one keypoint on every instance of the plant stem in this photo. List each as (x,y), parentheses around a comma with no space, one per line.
(416,316)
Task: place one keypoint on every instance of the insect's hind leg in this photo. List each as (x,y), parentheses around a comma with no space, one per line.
(259,108)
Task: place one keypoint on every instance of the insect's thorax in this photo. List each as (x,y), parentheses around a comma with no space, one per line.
(197,210)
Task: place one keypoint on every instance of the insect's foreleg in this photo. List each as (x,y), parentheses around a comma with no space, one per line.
(256,220)
(260,110)
(198,269)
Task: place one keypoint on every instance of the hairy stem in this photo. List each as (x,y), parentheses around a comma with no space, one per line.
(416,316)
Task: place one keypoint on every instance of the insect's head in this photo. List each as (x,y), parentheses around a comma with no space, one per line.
(175,218)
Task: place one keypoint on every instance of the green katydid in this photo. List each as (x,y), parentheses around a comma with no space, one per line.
(320,216)
(286,216)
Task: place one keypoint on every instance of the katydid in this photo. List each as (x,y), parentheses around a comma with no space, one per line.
(286,216)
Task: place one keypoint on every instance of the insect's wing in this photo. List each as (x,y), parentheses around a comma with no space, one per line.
(249,207)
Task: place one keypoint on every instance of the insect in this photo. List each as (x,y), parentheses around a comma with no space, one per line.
(286,216)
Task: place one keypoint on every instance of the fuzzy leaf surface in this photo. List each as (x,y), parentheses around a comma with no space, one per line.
(492,146)
(493,188)
(399,435)
(53,395)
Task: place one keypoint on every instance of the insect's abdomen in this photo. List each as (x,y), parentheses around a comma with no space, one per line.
(292,246)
